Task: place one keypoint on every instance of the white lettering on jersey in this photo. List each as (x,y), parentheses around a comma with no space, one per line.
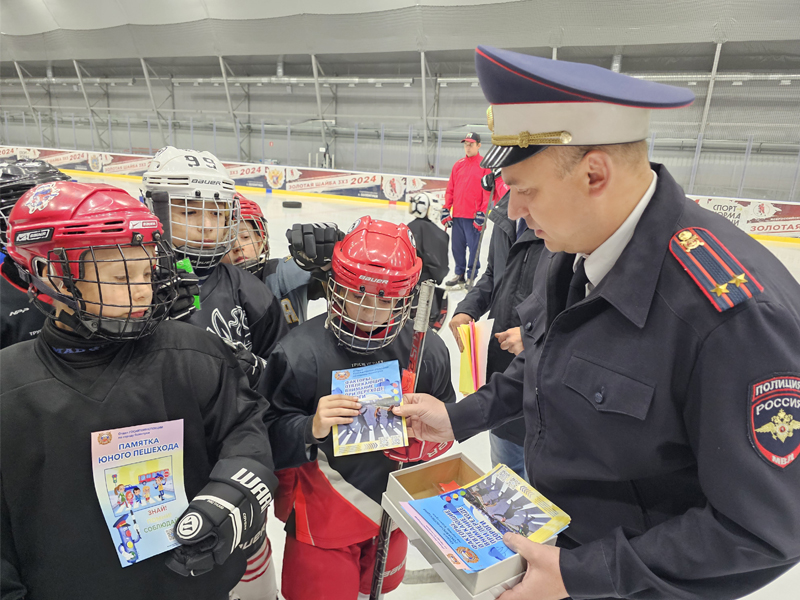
(288,311)
(18,311)
(237,325)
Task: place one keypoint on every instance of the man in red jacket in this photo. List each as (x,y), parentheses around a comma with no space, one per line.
(465,207)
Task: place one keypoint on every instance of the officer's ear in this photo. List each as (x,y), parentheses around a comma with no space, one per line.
(596,169)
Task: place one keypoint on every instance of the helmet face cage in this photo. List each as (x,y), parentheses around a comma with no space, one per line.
(435,207)
(418,205)
(107,286)
(204,229)
(352,317)
(252,242)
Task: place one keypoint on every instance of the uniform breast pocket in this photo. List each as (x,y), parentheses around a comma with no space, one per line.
(607,389)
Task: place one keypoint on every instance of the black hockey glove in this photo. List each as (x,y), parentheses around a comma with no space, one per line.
(487,181)
(188,287)
(230,510)
(251,364)
(311,244)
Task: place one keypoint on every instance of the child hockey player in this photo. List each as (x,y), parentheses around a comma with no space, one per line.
(205,222)
(291,284)
(19,321)
(235,305)
(432,244)
(331,535)
(105,360)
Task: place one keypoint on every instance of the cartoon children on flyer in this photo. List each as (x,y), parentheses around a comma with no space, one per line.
(160,486)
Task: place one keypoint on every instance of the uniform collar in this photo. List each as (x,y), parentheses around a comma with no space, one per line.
(631,283)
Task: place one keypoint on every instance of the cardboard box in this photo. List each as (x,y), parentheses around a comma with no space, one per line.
(422,481)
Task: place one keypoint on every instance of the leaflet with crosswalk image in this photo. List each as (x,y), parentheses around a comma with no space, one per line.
(378,389)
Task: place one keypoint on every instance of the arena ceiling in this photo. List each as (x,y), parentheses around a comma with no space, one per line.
(59,30)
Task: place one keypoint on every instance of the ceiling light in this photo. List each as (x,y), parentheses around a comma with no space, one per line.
(196,84)
(737,83)
(406,84)
(379,84)
(351,85)
(785,82)
(443,84)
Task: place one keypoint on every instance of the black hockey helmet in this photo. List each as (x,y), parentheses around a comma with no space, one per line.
(41,170)
(14,181)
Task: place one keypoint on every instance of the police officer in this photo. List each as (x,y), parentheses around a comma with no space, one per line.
(660,380)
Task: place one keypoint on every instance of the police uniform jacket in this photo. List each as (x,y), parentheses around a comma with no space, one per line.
(507,281)
(656,420)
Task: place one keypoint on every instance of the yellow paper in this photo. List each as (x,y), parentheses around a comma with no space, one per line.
(465,381)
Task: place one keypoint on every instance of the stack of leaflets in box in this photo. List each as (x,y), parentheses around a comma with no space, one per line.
(378,389)
(467,524)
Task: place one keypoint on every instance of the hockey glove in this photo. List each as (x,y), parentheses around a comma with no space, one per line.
(487,182)
(251,364)
(479,220)
(418,450)
(188,288)
(230,510)
(311,244)
(447,220)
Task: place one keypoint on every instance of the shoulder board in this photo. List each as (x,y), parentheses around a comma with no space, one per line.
(722,278)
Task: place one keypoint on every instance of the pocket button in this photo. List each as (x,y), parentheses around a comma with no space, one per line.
(599,396)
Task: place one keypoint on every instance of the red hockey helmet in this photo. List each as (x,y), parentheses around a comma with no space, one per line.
(375,273)
(97,250)
(250,251)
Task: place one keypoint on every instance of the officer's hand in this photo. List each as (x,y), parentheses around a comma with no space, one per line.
(336,409)
(446,219)
(458,320)
(427,416)
(311,244)
(511,340)
(543,578)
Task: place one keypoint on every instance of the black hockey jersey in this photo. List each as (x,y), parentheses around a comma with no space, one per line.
(20,320)
(236,306)
(293,286)
(55,543)
(432,247)
(298,374)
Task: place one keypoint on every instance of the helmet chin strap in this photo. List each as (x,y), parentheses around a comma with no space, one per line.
(82,328)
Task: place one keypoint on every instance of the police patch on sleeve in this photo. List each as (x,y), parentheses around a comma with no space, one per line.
(774,419)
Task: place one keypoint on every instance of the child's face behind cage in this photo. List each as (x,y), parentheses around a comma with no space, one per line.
(248,245)
(117,282)
(368,311)
(203,224)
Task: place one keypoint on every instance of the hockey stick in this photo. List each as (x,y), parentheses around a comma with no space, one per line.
(489,207)
(414,360)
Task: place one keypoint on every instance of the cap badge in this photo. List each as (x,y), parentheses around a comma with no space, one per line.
(525,139)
